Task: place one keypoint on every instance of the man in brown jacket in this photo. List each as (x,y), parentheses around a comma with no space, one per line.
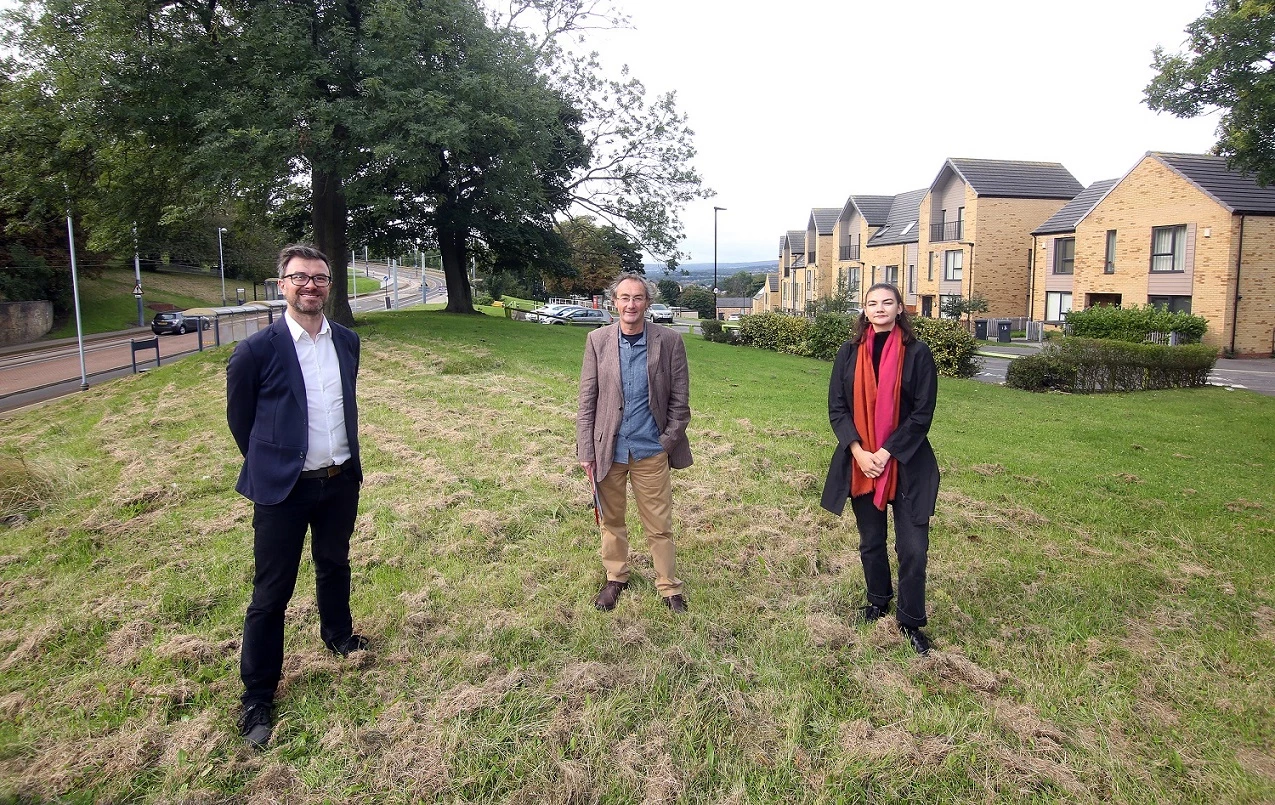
(634,408)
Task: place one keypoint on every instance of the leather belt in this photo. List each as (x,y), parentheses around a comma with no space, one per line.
(322,472)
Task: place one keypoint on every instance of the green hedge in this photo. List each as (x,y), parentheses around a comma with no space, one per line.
(1089,365)
(712,330)
(953,347)
(1134,323)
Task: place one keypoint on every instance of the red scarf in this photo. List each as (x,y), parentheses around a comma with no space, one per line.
(876,414)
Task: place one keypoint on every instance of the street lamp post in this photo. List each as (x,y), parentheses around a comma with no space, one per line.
(221,260)
(715,211)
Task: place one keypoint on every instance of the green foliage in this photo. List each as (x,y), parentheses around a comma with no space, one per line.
(827,333)
(1134,323)
(700,300)
(951,343)
(774,331)
(670,291)
(1088,365)
(29,278)
(712,330)
(955,307)
(742,284)
(483,298)
(1227,66)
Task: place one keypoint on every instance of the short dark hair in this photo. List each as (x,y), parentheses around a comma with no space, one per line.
(864,328)
(302,250)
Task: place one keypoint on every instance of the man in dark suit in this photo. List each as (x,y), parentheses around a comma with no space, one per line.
(634,407)
(291,408)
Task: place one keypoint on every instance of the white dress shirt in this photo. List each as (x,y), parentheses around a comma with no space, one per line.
(325,403)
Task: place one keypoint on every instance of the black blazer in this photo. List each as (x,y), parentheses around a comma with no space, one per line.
(918,488)
(266,409)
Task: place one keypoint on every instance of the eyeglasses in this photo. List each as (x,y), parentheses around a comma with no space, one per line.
(301,280)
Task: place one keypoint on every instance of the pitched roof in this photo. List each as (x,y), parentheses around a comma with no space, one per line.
(1065,220)
(782,242)
(1006,178)
(823,219)
(1238,192)
(772,282)
(735,301)
(797,240)
(874,209)
(900,225)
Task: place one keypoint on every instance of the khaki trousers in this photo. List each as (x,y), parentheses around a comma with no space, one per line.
(653,493)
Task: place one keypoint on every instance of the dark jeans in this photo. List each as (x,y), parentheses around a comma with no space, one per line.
(911,543)
(327,506)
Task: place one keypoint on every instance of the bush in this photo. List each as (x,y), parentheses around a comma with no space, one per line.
(712,330)
(828,333)
(699,300)
(952,345)
(774,331)
(482,298)
(1134,324)
(1088,365)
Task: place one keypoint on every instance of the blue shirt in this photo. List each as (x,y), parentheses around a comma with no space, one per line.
(639,436)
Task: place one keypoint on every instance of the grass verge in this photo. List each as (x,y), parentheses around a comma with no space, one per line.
(1102,595)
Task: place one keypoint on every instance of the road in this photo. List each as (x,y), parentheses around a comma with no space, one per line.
(1253,374)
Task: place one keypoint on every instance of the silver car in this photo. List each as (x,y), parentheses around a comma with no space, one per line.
(660,314)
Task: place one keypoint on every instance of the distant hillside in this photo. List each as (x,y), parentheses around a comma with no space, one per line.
(702,273)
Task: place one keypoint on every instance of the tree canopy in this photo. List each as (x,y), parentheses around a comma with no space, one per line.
(391,124)
(1229,64)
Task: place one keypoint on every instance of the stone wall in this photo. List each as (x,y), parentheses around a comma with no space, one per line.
(24,322)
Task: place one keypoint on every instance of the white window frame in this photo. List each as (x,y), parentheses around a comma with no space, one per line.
(953,265)
(1057,306)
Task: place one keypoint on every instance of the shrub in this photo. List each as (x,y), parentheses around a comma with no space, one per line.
(1135,323)
(482,298)
(712,330)
(774,331)
(699,300)
(826,335)
(1088,365)
(953,347)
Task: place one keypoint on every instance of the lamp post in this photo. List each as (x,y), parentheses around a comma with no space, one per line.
(715,211)
(221,261)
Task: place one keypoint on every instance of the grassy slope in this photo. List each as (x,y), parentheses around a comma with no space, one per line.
(1102,589)
(107,302)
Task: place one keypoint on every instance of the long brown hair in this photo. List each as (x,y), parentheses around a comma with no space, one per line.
(863,328)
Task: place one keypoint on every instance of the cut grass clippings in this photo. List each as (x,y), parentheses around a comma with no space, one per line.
(1101,595)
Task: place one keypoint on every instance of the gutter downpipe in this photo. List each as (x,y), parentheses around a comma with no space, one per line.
(1031,281)
(1235,308)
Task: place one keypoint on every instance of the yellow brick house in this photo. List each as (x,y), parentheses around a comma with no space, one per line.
(861,216)
(821,255)
(1186,232)
(891,253)
(1054,256)
(975,227)
(792,272)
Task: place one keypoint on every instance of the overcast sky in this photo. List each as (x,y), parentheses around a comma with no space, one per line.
(813,100)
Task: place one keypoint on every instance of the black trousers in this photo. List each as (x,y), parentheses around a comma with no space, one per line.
(911,543)
(327,506)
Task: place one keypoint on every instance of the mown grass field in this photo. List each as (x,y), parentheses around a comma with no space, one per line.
(107,303)
(1102,597)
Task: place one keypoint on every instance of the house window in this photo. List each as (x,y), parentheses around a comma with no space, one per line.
(1168,248)
(1109,267)
(953,262)
(912,280)
(854,280)
(891,275)
(944,300)
(1057,305)
(1064,255)
(1174,304)
(929,269)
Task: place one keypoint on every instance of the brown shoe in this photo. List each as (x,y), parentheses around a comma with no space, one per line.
(609,595)
(676,603)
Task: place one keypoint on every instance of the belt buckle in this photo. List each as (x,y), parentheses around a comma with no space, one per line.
(334,469)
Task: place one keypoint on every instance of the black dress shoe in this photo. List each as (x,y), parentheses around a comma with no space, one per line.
(355,642)
(872,613)
(255,724)
(609,595)
(676,603)
(916,639)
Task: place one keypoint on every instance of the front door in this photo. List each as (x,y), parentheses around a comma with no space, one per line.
(927,306)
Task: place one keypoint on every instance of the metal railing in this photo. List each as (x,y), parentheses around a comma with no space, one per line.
(952,230)
(850,252)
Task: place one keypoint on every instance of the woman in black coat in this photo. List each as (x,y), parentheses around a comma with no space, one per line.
(880,403)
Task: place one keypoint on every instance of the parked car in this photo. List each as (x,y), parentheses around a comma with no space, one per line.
(177,322)
(660,314)
(733,317)
(544,314)
(584,315)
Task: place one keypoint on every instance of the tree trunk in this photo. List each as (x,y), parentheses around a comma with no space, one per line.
(452,246)
(329,216)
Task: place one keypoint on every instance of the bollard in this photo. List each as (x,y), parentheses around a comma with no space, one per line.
(387,302)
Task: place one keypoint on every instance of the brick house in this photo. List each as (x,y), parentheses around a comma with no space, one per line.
(860,218)
(821,254)
(767,297)
(892,250)
(1185,231)
(975,226)
(1054,256)
(792,271)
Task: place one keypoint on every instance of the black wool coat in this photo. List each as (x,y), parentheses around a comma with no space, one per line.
(918,487)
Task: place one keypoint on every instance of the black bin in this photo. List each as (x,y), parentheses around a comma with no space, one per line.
(980,329)
(1002,332)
